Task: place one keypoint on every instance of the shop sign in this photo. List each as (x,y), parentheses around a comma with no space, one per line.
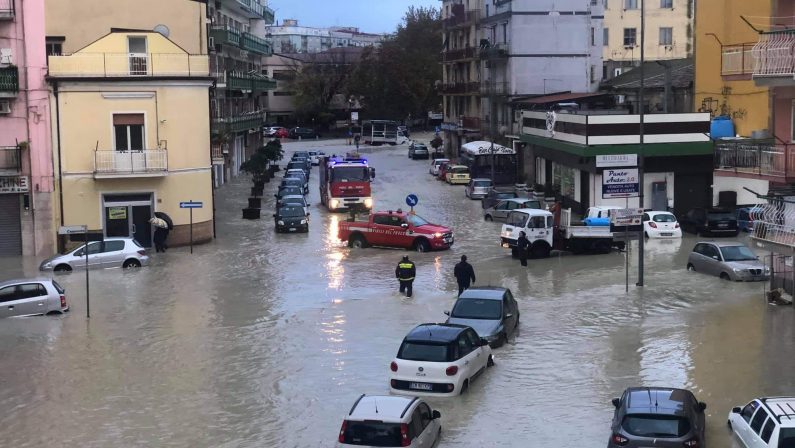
(616,160)
(620,183)
(117,212)
(15,184)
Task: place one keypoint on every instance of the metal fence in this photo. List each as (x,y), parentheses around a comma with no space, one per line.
(765,159)
(144,161)
(773,55)
(737,59)
(774,222)
(129,64)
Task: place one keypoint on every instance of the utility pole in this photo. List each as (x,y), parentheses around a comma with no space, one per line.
(641,239)
(492,121)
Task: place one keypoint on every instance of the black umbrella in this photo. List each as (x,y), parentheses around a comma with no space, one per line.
(165,218)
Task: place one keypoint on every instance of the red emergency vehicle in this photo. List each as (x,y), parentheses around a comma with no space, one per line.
(345,183)
(396,229)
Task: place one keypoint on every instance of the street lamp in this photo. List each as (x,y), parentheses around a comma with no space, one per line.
(641,92)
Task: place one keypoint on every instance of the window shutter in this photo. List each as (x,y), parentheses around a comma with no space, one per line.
(128,119)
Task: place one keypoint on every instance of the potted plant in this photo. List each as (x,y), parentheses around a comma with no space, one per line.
(437,143)
(273,153)
(256,166)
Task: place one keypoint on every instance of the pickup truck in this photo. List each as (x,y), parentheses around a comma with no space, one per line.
(539,226)
(395,229)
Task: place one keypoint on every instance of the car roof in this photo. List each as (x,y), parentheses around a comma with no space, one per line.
(484,292)
(16,281)
(294,196)
(481,179)
(653,213)
(518,200)
(435,332)
(380,407)
(657,400)
(783,408)
(441,160)
(723,243)
(533,211)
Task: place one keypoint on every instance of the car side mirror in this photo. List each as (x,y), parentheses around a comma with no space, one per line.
(616,402)
(702,406)
(715,257)
(447,312)
(737,410)
(483,342)
(404,225)
(436,414)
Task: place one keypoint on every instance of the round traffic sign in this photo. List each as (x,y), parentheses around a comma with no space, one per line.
(412,200)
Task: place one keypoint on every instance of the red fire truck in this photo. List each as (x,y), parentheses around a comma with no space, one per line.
(345,183)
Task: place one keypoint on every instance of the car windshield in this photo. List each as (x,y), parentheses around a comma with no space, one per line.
(720,215)
(786,438)
(477,309)
(416,221)
(290,191)
(459,170)
(505,195)
(422,351)
(439,162)
(482,183)
(58,287)
(420,147)
(291,212)
(295,201)
(664,218)
(372,433)
(292,181)
(737,253)
(531,204)
(351,173)
(652,425)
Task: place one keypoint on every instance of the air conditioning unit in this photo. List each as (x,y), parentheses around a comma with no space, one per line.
(5,107)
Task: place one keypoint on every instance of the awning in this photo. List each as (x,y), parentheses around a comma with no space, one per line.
(483,147)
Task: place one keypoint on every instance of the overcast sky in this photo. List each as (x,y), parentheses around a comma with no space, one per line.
(374,16)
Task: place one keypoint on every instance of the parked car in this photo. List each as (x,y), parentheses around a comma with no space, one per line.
(305,160)
(296,200)
(302,133)
(497,194)
(274,131)
(298,165)
(599,215)
(294,182)
(710,221)
(727,260)
(491,311)
(287,191)
(300,154)
(477,188)
(767,422)
(418,151)
(746,217)
(661,225)
(390,421)
(501,209)
(299,175)
(659,417)
(315,156)
(435,164)
(439,359)
(281,133)
(443,170)
(31,296)
(457,175)
(291,218)
(110,253)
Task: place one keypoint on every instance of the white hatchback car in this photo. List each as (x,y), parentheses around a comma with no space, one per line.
(435,164)
(765,422)
(661,225)
(383,420)
(110,253)
(439,360)
(31,296)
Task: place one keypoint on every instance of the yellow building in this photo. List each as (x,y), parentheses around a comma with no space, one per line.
(669,29)
(132,133)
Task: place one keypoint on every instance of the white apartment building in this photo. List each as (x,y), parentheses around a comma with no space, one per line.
(289,37)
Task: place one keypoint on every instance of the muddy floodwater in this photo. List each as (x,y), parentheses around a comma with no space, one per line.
(262,339)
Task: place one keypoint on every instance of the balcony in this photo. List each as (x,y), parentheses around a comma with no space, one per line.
(222,34)
(125,164)
(9,81)
(10,159)
(256,44)
(499,88)
(467,18)
(774,59)
(257,10)
(461,88)
(111,65)
(238,123)
(756,159)
(494,51)
(7,11)
(247,81)
(459,54)
(737,61)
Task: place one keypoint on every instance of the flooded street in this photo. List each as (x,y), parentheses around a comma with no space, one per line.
(264,339)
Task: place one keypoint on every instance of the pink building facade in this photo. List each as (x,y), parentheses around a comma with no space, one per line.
(27,222)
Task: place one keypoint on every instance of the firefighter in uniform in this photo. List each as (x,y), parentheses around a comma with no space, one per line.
(405,272)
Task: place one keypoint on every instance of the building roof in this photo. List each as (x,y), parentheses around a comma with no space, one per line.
(682,75)
(558,98)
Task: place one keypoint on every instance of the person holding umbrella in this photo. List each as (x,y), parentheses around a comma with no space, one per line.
(163,224)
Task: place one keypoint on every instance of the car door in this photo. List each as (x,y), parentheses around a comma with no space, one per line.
(755,430)
(8,299)
(94,256)
(712,259)
(28,299)
(742,426)
(113,254)
(509,314)
(429,426)
(478,353)
(500,211)
(420,437)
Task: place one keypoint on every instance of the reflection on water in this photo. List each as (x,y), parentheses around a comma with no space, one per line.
(265,339)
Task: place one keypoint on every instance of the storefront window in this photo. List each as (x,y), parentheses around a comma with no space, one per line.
(563,179)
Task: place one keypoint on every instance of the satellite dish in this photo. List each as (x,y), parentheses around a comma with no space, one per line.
(162,29)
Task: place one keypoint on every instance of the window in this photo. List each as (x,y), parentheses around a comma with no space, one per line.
(464,346)
(630,4)
(593,36)
(128,130)
(474,339)
(93,248)
(748,411)
(54,48)
(654,425)
(666,36)
(536,222)
(8,294)
(516,219)
(759,418)
(630,37)
(425,415)
(668,4)
(136,47)
(113,246)
(30,291)
(606,37)
(593,73)
(767,431)
(372,433)
(418,351)
(388,220)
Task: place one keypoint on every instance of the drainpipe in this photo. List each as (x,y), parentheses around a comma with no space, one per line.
(60,169)
(25,67)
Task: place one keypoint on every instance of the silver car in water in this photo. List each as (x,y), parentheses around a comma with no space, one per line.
(500,211)
(31,296)
(478,188)
(729,261)
(110,253)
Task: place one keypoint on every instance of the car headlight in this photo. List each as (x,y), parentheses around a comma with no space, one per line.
(303,221)
(438,235)
(47,265)
(738,270)
(334,203)
(368,202)
(280,222)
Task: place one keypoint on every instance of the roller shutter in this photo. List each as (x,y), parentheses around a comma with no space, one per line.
(10,227)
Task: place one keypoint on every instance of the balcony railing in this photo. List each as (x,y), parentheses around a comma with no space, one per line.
(737,60)
(257,10)
(255,44)
(140,163)
(9,81)
(129,64)
(238,123)
(494,51)
(222,34)
(494,88)
(10,159)
(246,81)
(7,10)
(469,17)
(774,55)
(774,222)
(461,88)
(461,53)
(764,159)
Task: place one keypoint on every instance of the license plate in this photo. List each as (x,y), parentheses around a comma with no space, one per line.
(666,234)
(420,386)
(723,224)
(292,229)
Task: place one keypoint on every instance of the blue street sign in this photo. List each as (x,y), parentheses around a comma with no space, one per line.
(412,200)
(191,204)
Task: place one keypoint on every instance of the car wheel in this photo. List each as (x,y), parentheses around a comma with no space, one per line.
(504,339)
(490,362)
(422,245)
(729,424)
(691,268)
(646,234)
(357,242)
(63,268)
(488,218)
(724,276)
(131,264)
(465,387)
